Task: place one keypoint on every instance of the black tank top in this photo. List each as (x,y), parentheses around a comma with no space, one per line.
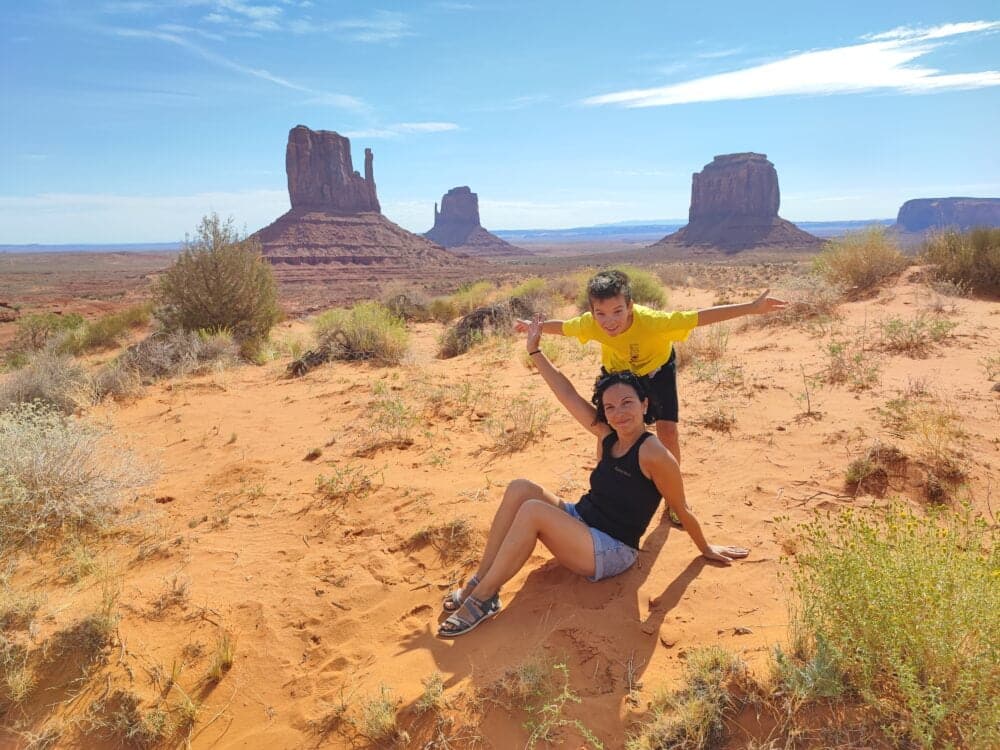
(621,501)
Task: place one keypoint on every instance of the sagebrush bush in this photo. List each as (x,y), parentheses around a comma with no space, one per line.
(219,282)
(860,260)
(535,296)
(57,474)
(51,378)
(907,608)
(167,355)
(406,302)
(647,289)
(366,331)
(970,260)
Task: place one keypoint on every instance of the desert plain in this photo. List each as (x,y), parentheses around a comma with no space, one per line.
(312,525)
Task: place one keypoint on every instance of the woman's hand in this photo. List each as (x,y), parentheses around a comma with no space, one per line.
(725,555)
(534,329)
(764,304)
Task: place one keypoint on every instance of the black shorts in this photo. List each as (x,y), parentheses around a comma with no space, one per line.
(662,389)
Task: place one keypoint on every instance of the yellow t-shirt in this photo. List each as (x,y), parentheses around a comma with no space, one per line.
(643,346)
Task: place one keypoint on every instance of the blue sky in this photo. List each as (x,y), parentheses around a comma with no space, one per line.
(127,120)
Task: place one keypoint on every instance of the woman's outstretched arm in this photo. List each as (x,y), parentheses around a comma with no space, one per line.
(666,475)
(581,409)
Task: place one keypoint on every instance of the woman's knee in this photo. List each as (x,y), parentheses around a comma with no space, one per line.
(531,513)
(521,490)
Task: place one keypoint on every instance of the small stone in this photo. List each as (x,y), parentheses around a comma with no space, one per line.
(996,387)
(648,629)
(742,631)
(668,641)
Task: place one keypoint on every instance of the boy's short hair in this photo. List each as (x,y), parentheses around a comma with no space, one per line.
(608,284)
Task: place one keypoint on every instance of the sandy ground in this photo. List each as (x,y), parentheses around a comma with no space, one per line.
(330,599)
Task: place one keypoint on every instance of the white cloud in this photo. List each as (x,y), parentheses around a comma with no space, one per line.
(57,218)
(882,63)
(403,128)
(344,101)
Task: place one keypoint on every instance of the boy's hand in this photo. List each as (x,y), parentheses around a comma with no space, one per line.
(521,326)
(764,304)
(534,330)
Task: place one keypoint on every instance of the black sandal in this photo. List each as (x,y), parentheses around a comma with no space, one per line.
(453,601)
(480,610)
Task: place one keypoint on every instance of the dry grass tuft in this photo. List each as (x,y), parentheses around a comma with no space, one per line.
(59,474)
(691,717)
(521,423)
(970,260)
(367,331)
(860,261)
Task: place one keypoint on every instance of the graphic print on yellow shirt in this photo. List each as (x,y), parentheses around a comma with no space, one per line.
(643,346)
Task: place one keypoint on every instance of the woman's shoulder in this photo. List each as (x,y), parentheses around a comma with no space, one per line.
(651,449)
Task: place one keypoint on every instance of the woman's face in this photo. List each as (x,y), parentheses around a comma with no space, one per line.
(623,407)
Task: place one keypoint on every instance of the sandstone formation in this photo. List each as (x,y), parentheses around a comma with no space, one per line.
(321,176)
(457,227)
(334,245)
(922,214)
(734,206)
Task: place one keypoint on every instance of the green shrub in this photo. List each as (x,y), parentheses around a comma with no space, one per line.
(219,282)
(366,331)
(970,259)
(58,473)
(51,378)
(647,289)
(860,260)
(105,332)
(473,295)
(35,329)
(916,335)
(907,609)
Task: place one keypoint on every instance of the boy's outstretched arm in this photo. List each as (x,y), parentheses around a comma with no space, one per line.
(552,327)
(760,306)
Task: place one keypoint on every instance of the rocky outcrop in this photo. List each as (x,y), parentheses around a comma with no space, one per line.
(734,206)
(321,176)
(922,214)
(334,245)
(457,227)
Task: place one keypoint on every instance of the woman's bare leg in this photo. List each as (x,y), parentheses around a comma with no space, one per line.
(517,493)
(568,539)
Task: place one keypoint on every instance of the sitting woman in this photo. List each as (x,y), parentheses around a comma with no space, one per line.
(598,537)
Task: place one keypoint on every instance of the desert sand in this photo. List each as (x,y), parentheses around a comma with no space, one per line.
(328,599)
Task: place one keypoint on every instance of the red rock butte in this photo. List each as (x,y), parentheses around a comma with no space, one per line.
(334,245)
(457,227)
(734,207)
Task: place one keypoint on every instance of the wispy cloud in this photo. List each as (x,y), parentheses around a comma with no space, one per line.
(343,101)
(403,128)
(384,26)
(884,62)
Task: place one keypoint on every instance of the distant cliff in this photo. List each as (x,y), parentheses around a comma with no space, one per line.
(922,214)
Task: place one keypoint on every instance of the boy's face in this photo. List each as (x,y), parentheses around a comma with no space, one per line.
(613,315)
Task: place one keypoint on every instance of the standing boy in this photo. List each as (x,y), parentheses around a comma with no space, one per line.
(640,339)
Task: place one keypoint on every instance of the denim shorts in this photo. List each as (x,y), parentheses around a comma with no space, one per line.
(611,556)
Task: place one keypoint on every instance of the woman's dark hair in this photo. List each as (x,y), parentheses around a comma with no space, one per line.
(606,380)
(608,284)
